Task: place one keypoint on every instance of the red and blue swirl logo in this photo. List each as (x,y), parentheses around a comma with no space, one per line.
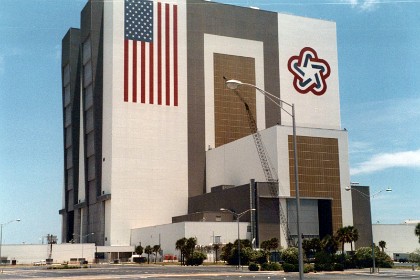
(310,72)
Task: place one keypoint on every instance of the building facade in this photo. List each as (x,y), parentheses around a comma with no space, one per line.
(147,117)
(400,239)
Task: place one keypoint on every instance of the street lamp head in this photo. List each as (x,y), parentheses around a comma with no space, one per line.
(388,189)
(348,188)
(233,84)
(17,220)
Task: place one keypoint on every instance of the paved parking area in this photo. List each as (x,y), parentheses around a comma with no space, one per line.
(177,272)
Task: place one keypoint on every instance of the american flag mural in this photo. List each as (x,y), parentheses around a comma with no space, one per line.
(150,52)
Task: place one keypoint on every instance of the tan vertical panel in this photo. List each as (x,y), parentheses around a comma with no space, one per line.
(319,171)
(231,121)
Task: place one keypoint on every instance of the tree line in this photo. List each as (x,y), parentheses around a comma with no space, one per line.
(321,252)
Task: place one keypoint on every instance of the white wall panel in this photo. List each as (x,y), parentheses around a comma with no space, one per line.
(168,234)
(144,145)
(28,254)
(238,162)
(399,238)
(230,46)
(296,33)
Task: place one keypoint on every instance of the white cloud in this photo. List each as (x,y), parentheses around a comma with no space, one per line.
(383,161)
(364,5)
(351,2)
(356,147)
(368,5)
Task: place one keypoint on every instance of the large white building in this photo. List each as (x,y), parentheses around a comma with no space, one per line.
(150,127)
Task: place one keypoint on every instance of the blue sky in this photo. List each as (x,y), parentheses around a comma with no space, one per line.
(379,58)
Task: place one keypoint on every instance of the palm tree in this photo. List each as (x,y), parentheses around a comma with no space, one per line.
(316,244)
(227,251)
(354,235)
(382,244)
(417,231)
(180,245)
(269,245)
(329,244)
(306,246)
(348,234)
(190,247)
(216,248)
(265,245)
(148,250)
(139,249)
(156,249)
(274,243)
(311,246)
(343,236)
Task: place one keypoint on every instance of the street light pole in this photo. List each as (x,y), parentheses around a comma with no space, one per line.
(92,233)
(1,236)
(369,197)
(239,244)
(233,84)
(81,239)
(300,250)
(238,216)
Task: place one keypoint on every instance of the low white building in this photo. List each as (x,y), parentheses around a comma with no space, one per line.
(61,253)
(207,233)
(399,238)
(37,253)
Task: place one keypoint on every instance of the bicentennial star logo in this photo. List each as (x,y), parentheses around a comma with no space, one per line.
(309,71)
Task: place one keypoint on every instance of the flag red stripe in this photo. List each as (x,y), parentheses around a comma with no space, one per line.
(143,72)
(166,69)
(151,81)
(159,55)
(175,55)
(167,55)
(126,50)
(134,71)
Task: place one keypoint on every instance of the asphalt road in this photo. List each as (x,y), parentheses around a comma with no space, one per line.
(177,272)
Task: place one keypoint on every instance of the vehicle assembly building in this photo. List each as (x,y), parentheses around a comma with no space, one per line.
(153,136)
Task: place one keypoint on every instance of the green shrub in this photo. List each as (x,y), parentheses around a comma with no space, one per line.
(324,261)
(288,267)
(248,255)
(363,258)
(253,267)
(265,266)
(308,268)
(65,266)
(350,262)
(259,257)
(384,260)
(275,266)
(271,266)
(415,256)
(290,255)
(323,267)
(197,258)
(338,267)
(318,267)
(323,257)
